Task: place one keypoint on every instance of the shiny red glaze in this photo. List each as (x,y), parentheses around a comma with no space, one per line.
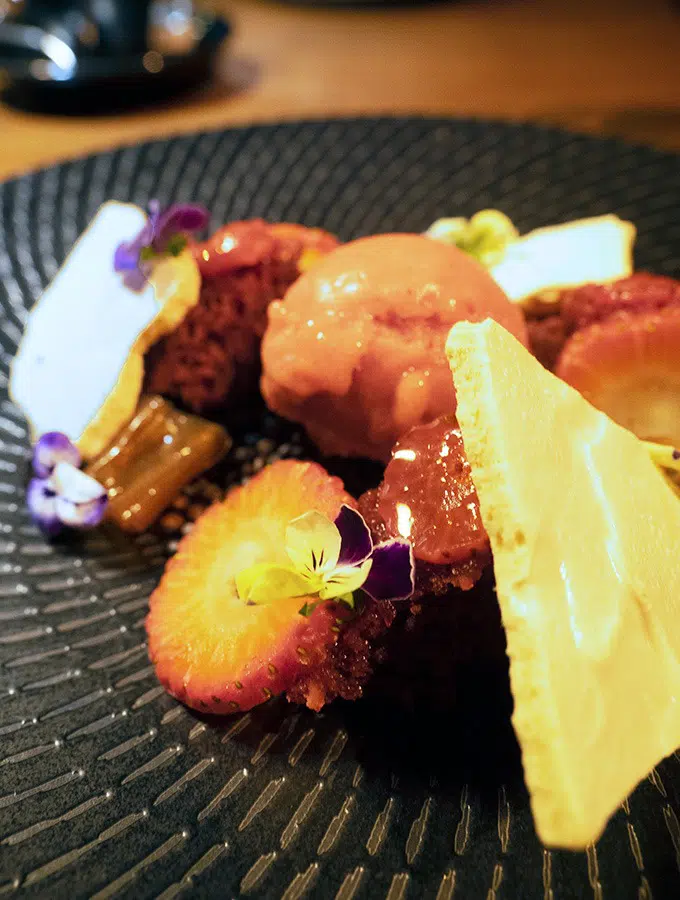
(213,357)
(628,366)
(641,292)
(429,473)
(235,246)
(240,245)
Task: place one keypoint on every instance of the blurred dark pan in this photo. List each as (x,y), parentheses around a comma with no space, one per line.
(93,57)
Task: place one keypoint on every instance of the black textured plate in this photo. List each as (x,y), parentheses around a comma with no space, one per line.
(109,788)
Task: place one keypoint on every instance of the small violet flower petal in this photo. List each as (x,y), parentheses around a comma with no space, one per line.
(41,502)
(81,501)
(149,232)
(128,264)
(158,230)
(137,279)
(179,217)
(126,257)
(81,515)
(392,576)
(52,448)
(356,543)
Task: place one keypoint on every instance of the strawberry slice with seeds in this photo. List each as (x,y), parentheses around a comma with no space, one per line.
(211,650)
(629,367)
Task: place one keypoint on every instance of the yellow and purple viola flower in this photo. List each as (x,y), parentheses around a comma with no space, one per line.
(60,495)
(330,561)
(165,234)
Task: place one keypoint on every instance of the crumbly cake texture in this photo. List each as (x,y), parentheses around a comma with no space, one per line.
(213,356)
(583,531)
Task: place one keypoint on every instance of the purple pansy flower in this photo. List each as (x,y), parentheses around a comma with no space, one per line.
(165,233)
(392,573)
(52,448)
(60,495)
(330,561)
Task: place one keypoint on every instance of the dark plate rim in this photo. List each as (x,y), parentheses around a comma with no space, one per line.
(615,142)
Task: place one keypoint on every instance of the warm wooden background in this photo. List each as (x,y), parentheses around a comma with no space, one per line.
(599,65)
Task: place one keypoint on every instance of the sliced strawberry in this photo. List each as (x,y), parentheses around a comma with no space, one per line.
(629,367)
(641,292)
(428,496)
(211,650)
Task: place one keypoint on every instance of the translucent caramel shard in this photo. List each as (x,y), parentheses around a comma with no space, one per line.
(152,459)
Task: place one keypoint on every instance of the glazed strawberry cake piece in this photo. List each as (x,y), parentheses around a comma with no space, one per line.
(619,345)
(628,366)
(551,324)
(213,357)
(639,293)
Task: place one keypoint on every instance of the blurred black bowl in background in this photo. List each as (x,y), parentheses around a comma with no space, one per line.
(100,56)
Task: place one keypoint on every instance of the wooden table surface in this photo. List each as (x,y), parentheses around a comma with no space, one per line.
(609,66)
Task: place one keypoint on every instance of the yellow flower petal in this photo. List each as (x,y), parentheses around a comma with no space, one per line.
(345,580)
(348,600)
(489,233)
(313,543)
(266,583)
(485,236)
(448,230)
(493,221)
(663,455)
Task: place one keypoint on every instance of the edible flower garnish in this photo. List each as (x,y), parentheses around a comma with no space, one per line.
(330,561)
(60,495)
(665,456)
(485,236)
(165,234)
